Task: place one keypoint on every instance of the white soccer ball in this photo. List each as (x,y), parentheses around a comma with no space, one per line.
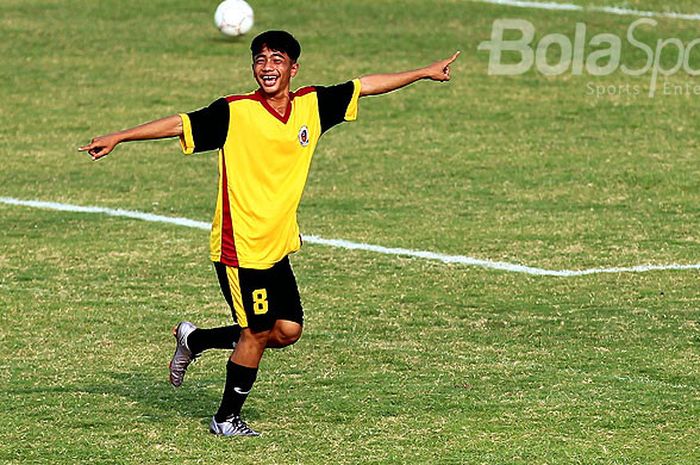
(234,17)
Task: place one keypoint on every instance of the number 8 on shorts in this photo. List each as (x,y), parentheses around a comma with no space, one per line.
(260,305)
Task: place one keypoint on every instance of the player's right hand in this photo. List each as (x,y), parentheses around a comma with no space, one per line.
(100,146)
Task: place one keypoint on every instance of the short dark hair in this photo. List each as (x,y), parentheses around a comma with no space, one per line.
(279,41)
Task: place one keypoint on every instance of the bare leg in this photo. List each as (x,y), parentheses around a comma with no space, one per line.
(242,367)
(251,345)
(250,348)
(283,334)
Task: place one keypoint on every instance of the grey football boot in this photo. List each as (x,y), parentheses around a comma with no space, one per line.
(232,426)
(183,355)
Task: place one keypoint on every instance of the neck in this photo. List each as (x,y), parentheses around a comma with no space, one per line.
(281,96)
(277,102)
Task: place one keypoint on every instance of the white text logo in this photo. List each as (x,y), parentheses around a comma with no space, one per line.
(604,60)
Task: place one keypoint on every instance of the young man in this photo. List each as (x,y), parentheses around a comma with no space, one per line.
(265,140)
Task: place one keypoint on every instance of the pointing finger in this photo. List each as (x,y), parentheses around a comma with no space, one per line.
(454,57)
(91,145)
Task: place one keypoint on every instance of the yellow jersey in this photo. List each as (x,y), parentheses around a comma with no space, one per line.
(264,161)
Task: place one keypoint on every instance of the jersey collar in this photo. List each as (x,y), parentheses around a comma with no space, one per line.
(288,111)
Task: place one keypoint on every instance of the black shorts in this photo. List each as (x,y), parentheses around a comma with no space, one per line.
(258,298)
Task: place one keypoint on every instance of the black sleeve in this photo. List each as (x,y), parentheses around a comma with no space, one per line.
(210,126)
(333,103)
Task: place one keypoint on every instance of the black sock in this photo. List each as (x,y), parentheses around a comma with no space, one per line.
(225,337)
(239,382)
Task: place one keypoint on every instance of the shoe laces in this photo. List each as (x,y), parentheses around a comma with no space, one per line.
(239,424)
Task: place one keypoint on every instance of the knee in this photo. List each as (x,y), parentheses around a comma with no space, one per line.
(289,334)
(291,338)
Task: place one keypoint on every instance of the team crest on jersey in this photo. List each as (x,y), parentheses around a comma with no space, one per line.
(304,136)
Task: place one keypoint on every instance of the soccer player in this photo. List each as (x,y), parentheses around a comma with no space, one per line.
(265,140)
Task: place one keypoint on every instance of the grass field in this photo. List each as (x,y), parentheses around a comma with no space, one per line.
(402,360)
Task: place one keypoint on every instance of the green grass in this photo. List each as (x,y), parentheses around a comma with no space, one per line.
(402,360)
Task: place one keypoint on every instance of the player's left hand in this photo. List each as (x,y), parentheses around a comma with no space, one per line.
(440,70)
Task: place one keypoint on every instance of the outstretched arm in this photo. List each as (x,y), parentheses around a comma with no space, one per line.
(375,84)
(170,126)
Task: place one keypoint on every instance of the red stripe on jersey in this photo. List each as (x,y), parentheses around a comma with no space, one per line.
(272,111)
(229,256)
(233,98)
(303,91)
(257,95)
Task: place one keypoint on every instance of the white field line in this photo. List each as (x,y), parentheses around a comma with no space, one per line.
(343,244)
(613,10)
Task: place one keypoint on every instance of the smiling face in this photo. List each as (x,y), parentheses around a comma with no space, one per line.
(273,71)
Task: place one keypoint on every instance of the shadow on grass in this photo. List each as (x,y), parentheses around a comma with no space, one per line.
(156,398)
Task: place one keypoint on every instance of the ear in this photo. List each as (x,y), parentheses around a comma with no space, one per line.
(294,69)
